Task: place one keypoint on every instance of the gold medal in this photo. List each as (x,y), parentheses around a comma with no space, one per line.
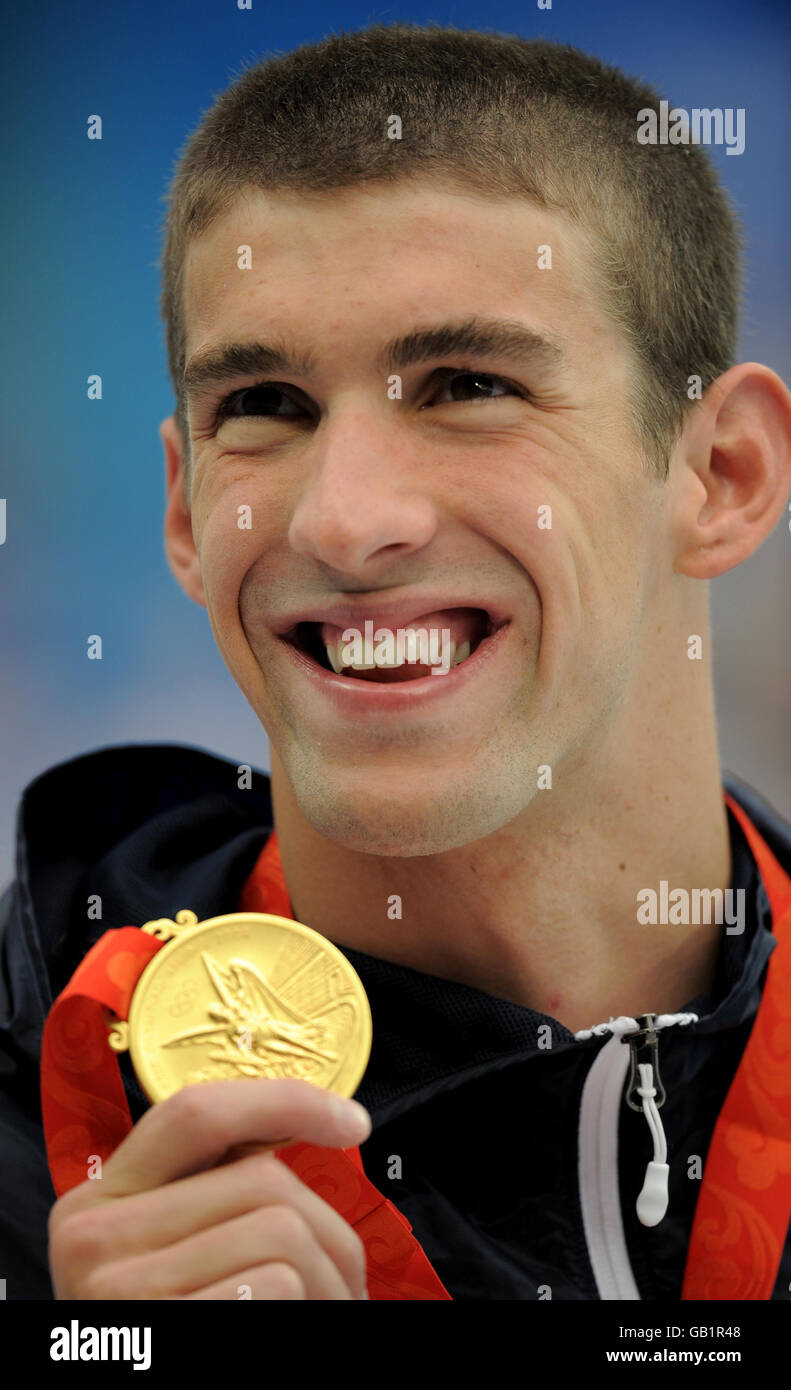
(245,995)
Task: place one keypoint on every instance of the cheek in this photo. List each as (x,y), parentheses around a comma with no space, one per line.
(584,595)
(233,534)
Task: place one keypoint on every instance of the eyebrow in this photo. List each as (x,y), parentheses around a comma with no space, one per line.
(480,337)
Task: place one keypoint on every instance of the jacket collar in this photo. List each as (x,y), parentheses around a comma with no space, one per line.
(150,829)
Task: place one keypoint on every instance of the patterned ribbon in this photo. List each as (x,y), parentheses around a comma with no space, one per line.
(743,1210)
(86,1113)
(744,1206)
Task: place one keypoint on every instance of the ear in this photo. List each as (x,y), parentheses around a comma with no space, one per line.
(731,470)
(180,545)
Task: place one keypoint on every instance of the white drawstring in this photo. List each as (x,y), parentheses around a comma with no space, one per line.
(653,1200)
(624,1024)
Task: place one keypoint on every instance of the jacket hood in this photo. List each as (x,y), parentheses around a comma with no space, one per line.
(149,829)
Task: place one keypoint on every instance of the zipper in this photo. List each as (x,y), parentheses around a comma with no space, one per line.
(597,1148)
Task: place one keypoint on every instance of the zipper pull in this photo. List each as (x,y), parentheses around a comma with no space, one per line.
(646,1031)
(653,1200)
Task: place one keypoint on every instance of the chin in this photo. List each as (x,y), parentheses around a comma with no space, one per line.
(403,823)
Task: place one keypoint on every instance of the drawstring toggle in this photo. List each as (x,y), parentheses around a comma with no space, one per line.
(653,1199)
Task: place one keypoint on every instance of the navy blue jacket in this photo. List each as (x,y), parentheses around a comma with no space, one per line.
(510,1150)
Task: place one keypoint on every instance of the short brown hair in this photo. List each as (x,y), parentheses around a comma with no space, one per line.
(506,116)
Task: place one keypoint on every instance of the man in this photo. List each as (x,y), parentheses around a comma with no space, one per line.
(452,350)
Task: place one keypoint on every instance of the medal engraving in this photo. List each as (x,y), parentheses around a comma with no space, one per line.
(245,995)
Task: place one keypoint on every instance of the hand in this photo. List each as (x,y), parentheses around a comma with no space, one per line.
(177,1214)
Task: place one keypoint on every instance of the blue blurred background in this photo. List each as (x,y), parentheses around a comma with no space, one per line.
(84,480)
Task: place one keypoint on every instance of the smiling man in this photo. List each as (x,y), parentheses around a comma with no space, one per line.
(453,351)
(514,398)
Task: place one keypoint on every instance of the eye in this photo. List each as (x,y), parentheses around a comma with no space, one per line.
(468,386)
(261,399)
(266,398)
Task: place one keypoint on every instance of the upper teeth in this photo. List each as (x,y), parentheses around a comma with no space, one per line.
(458,653)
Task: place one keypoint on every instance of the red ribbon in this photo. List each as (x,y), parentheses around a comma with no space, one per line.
(86,1114)
(742,1215)
(744,1206)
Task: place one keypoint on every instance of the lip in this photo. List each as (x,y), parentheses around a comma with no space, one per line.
(359,697)
(392,615)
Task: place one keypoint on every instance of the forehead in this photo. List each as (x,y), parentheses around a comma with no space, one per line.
(333,268)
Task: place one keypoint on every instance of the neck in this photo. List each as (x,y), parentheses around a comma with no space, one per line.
(544,911)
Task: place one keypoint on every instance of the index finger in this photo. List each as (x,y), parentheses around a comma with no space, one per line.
(194,1129)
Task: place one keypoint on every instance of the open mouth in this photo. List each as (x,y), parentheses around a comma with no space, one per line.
(448,641)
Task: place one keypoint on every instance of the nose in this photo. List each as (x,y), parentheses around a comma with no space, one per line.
(363,497)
